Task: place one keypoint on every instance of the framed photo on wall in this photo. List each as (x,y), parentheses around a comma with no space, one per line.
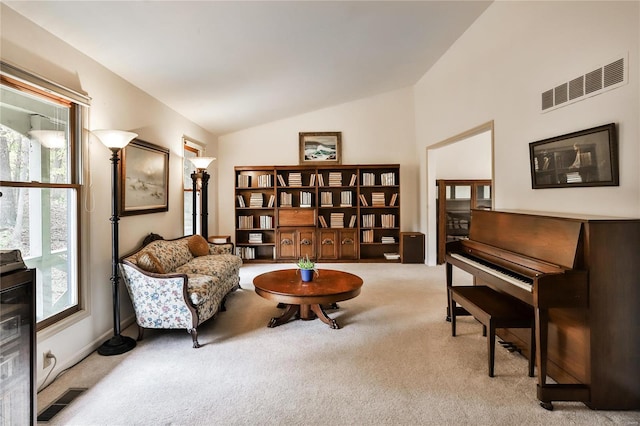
(144,179)
(320,148)
(583,158)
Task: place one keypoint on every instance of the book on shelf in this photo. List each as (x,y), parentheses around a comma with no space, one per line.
(388,220)
(285,199)
(245,222)
(326,199)
(345,199)
(241,201)
(388,240)
(266,222)
(363,200)
(352,182)
(377,199)
(368,179)
(281,181)
(255,238)
(312,179)
(323,223)
(394,198)
(264,181)
(367,236)
(295,179)
(246,252)
(352,221)
(305,199)
(335,179)
(388,179)
(272,200)
(337,220)
(244,181)
(320,179)
(368,221)
(391,256)
(256,199)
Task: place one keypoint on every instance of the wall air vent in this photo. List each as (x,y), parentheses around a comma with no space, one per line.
(593,81)
(560,94)
(576,88)
(609,76)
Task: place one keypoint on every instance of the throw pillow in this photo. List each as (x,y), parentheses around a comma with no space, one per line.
(149,263)
(198,245)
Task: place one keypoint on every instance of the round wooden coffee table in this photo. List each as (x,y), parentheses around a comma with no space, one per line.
(306,299)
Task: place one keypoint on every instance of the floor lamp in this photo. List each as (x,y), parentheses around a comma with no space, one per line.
(200,180)
(115,140)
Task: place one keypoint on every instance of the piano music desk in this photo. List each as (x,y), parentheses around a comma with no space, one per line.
(493,310)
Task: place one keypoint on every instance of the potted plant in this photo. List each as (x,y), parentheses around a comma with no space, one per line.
(307,269)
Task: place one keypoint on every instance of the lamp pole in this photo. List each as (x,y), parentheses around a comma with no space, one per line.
(115,140)
(194,200)
(204,209)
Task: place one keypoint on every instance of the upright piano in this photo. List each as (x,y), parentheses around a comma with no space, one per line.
(581,274)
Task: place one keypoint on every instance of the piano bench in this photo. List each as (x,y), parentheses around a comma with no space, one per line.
(493,310)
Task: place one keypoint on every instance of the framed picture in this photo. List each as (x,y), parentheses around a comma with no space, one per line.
(320,148)
(584,158)
(144,179)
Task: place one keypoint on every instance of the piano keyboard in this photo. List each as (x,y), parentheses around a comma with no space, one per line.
(512,278)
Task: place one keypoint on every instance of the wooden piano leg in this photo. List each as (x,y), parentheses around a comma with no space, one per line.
(449,284)
(451,308)
(532,349)
(542,332)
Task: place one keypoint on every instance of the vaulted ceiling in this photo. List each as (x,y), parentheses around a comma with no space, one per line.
(229,65)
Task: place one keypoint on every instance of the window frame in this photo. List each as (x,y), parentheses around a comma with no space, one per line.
(51,92)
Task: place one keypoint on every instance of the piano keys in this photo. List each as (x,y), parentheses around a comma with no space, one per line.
(582,276)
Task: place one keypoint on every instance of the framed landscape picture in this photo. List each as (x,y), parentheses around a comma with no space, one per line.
(320,148)
(144,179)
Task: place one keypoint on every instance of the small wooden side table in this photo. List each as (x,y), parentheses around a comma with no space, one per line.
(219,239)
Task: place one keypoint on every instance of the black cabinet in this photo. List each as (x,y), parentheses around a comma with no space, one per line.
(412,247)
(17,347)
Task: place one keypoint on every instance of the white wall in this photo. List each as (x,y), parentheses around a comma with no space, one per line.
(119,105)
(374,130)
(497,71)
(469,158)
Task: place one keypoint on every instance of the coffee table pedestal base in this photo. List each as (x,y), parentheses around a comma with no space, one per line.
(304,312)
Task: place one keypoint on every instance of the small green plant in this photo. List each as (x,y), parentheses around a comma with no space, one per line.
(306,263)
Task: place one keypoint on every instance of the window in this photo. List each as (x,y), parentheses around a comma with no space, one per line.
(40,191)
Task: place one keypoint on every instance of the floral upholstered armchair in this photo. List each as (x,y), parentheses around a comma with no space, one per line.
(180,283)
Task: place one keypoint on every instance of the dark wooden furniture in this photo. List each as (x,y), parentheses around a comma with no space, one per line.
(332,213)
(493,310)
(18,347)
(412,247)
(580,274)
(305,299)
(455,199)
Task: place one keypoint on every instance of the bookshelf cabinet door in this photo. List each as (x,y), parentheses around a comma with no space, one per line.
(348,244)
(287,244)
(328,244)
(307,243)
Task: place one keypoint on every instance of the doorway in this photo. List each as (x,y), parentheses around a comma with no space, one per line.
(468,155)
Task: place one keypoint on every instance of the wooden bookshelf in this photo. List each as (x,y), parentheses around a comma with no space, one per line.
(318,211)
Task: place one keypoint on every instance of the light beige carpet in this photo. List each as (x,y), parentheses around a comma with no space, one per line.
(393,362)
